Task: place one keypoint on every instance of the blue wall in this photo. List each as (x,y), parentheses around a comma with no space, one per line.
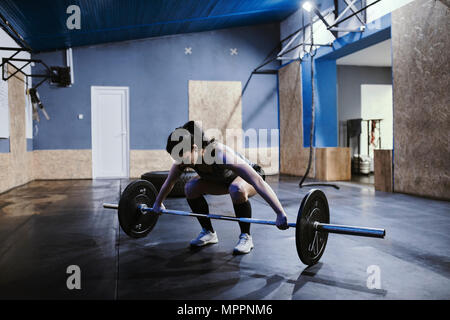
(4,145)
(29,144)
(157,72)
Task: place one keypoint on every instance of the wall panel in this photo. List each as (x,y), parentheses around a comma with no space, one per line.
(293,157)
(15,166)
(421,64)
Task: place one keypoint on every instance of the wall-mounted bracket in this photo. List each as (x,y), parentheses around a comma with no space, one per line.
(57,75)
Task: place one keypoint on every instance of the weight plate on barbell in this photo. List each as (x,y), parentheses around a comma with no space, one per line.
(132,220)
(311,243)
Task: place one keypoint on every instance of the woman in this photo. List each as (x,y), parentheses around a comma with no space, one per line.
(220,171)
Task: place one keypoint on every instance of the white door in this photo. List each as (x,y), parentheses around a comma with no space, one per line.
(110,127)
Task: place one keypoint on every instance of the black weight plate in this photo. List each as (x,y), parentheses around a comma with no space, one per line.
(311,244)
(131,220)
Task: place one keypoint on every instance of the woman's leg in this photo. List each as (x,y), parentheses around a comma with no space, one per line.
(194,190)
(240,191)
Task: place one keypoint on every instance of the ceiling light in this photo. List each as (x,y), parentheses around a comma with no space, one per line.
(308,6)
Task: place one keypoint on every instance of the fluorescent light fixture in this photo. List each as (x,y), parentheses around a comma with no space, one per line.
(308,6)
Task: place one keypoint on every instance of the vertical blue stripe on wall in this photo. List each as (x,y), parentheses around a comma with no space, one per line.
(4,145)
(326,107)
(29,144)
(279,120)
(307,101)
(325,103)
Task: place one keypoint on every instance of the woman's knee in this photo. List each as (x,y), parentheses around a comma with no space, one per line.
(238,193)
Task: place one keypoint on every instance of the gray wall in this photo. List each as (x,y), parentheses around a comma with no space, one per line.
(157,72)
(350,79)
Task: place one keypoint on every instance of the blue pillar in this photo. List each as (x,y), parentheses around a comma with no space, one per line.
(325,97)
(326,106)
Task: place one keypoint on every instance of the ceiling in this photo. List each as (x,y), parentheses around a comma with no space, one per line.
(378,55)
(42,23)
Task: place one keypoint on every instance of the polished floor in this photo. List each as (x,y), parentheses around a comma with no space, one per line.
(46,226)
(364,179)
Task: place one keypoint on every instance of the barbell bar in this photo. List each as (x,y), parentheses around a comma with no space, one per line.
(322,227)
(137,219)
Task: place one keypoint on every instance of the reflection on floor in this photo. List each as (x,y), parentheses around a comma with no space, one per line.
(368,179)
(46,226)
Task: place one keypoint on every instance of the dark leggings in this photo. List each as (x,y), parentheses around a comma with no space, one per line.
(241,210)
(199,205)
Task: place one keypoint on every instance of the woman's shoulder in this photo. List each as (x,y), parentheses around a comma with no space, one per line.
(226,154)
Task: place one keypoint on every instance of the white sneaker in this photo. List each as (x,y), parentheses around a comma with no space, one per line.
(205,237)
(245,244)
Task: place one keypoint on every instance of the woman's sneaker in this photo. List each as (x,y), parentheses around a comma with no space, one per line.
(205,237)
(245,244)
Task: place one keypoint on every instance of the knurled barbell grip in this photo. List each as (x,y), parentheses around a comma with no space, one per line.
(144,208)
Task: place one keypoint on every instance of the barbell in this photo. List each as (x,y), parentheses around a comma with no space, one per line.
(137,219)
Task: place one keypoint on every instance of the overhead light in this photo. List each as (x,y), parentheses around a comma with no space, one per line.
(308,6)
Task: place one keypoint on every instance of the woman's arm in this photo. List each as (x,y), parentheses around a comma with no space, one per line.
(174,173)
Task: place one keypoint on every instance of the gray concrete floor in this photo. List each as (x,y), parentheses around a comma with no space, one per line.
(45,226)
